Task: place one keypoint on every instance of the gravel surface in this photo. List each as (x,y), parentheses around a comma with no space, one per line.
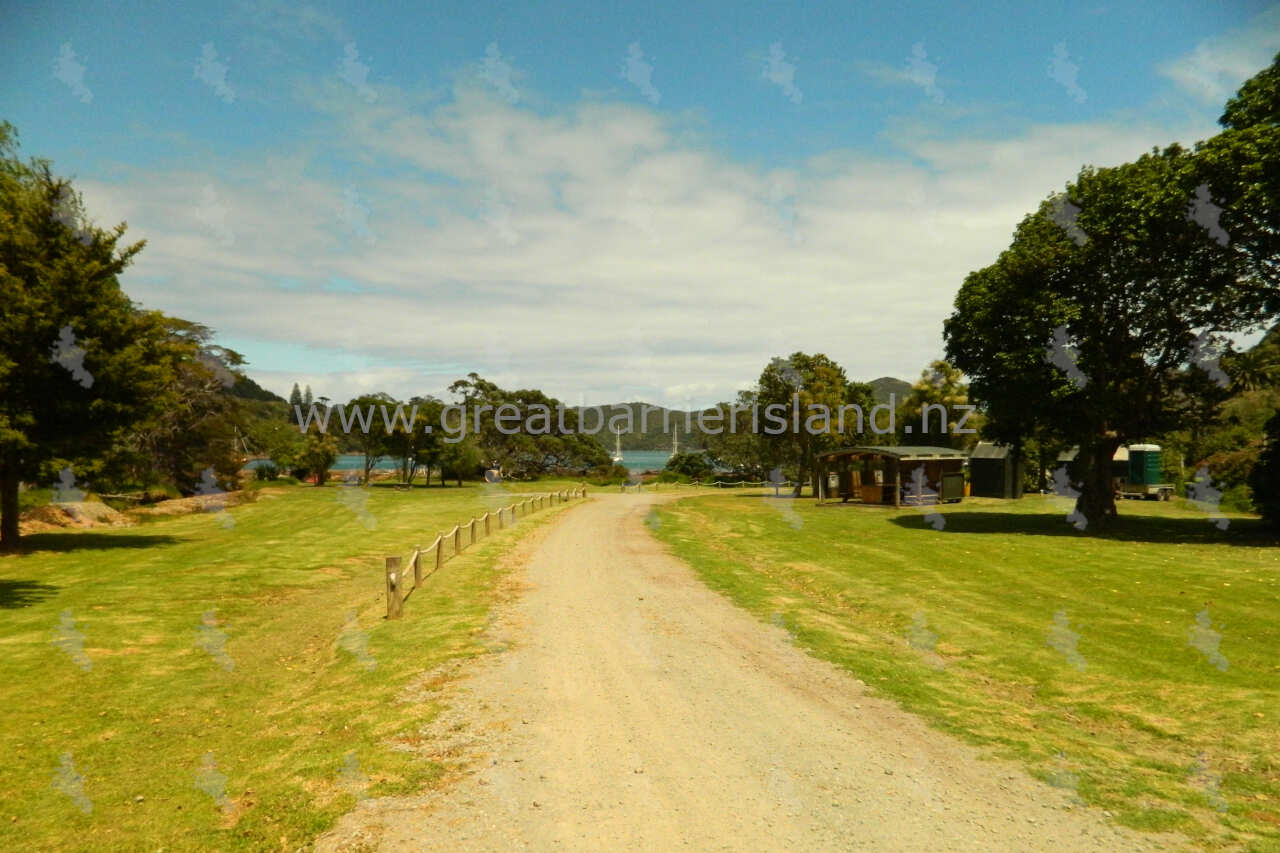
(631,708)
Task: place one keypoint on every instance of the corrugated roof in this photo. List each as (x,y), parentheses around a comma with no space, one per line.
(990,450)
(902,451)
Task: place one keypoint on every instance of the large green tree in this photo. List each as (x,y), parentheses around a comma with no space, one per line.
(737,446)
(410,442)
(79,362)
(1095,328)
(1126,281)
(810,385)
(195,422)
(522,430)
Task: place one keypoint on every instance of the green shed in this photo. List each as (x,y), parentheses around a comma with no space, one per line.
(992,472)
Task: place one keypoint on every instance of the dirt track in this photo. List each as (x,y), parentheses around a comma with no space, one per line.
(637,710)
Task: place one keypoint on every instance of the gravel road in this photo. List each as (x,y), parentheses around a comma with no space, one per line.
(634,709)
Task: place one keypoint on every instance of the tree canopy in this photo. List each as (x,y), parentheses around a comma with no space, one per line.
(1101,322)
(79,362)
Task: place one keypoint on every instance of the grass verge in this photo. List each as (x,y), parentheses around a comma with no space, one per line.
(1140,668)
(191,684)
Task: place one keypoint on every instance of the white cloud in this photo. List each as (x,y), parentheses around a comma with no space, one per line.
(1216,68)
(644,267)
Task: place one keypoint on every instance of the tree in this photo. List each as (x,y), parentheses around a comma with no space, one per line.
(410,443)
(1254,369)
(1264,479)
(371,418)
(194,426)
(692,465)
(1092,328)
(513,434)
(459,459)
(1257,102)
(280,441)
(306,397)
(79,362)
(936,405)
(295,404)
(804,387)
(318,455)
(1239,176)
(737,446)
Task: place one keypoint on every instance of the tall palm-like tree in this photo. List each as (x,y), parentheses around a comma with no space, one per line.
(1255,369)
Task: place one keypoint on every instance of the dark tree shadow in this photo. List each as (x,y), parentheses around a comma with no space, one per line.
(1245,532)
(15,594)
(59,542)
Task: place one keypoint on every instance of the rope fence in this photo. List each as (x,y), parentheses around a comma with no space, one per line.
(457,540)
(716,484)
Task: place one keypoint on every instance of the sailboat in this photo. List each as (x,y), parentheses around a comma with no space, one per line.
(617,447)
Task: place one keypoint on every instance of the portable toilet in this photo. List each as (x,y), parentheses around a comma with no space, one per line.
(1145,464)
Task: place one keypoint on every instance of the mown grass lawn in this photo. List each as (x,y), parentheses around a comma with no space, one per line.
(1087,658)
(229,687)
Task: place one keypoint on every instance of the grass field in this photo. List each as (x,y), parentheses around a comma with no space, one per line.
(229,687)
(1141,669)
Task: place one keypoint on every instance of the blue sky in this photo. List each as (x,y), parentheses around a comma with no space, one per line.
(638,203)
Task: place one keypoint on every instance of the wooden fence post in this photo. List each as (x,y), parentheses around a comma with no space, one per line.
(487,528)
(439,551)
(395,598)
(501,523)
(417,567)
(457,539)
(473,530)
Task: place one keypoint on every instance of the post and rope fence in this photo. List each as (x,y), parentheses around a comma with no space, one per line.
(714,484)
(398,588)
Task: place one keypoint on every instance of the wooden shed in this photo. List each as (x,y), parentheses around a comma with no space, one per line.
(891,476)
(993,472)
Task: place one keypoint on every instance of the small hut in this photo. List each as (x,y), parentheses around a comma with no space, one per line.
(891,476)
(993,472)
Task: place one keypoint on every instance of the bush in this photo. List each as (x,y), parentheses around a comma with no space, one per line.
(694,465)
(608,475)
(266,472)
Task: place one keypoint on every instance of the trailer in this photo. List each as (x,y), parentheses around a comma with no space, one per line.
(1141,477)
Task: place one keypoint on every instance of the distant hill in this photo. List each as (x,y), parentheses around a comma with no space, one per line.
(656,435)
(886,385)
(247,389)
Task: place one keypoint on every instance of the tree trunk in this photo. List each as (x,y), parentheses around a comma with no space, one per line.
(1097,501)
(8,509)
(1016,454)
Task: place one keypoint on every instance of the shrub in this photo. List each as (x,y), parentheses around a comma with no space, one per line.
(266,472)
(694,465)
